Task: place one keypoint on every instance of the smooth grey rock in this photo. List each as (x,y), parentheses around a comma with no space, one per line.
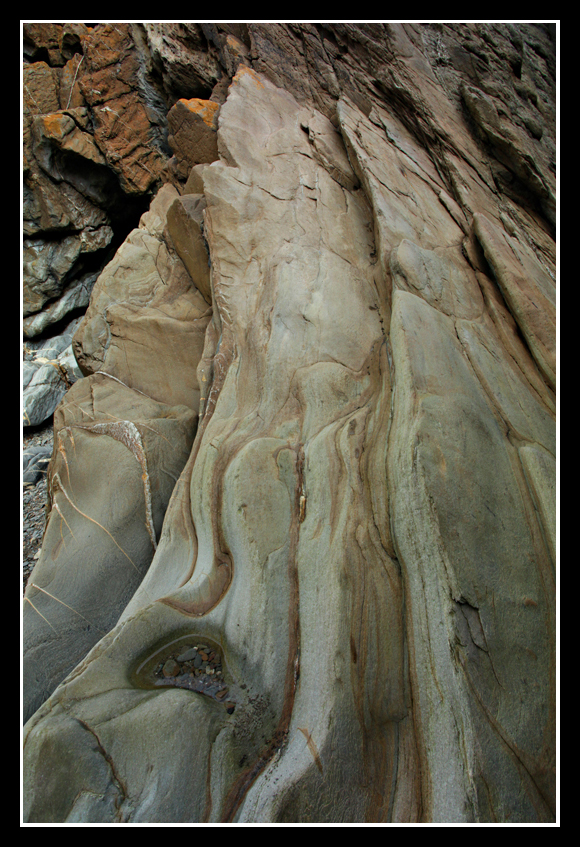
(187,655)
(34,463)
(102,528)
(43,393)
(48,372)
(76,296)
(365,525)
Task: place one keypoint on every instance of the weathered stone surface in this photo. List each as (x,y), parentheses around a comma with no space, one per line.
(102,530)
(40,84)
(193,133)
(185,224)
(49,265)
(49,206)
(146,321)
(194,184)
(49,369)
(55,42)
(528,289)
(75,296)
(179,50)
(283,423)
(34,464)
(361,542)
(462,570)
(123,106)
(68,191)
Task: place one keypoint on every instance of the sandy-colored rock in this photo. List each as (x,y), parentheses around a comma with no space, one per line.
(479,593)
(194,184)
(102,530)
(146,320)
(364,529)
(444,279)
(185,224)
(528,289)
(270,439)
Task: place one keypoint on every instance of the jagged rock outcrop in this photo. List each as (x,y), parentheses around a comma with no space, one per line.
(313,456)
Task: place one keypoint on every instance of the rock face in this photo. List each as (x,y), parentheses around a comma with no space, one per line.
(313,451)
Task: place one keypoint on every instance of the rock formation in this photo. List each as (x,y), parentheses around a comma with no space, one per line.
(300,555)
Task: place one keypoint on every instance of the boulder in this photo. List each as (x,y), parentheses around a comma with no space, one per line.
(179,50)
(192,133)
(49,369)
(147,319)
(361,537)
(185,225)
(126,110)
(34,464)
(102,529)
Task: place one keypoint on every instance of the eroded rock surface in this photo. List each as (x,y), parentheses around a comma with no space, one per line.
(335,603)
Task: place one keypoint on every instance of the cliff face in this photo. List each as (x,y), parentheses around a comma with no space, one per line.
(299,563)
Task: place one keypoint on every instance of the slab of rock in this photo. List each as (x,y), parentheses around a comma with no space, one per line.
(528,289)
(364,528)
(461,625)
(187,68)
(34,464)
(185,225)
(147,319)
(75,296)
(102,529)
(281,458)
(125,108)
(48,370)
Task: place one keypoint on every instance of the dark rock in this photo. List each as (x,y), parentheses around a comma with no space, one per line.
(171,668)
(188,654)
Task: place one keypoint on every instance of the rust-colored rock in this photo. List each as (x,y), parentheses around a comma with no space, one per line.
(193,133)
(110,78)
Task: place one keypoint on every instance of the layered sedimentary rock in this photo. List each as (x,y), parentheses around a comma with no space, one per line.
(136,415)
(352,309)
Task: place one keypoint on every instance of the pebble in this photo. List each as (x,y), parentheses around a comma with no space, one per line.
(171,668)
(34,501)
(197,668)
(189,654)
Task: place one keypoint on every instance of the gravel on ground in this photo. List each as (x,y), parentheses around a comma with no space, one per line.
(34,501)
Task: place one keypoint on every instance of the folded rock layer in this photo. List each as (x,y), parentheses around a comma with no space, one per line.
(362,530)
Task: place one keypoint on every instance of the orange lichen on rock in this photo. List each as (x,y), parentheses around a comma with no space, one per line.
(206,109)
(57,125)
(244,70)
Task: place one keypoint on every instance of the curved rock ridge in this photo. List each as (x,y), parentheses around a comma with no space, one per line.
(301,553)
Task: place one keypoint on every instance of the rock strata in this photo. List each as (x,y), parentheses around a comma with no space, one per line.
(301,526)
